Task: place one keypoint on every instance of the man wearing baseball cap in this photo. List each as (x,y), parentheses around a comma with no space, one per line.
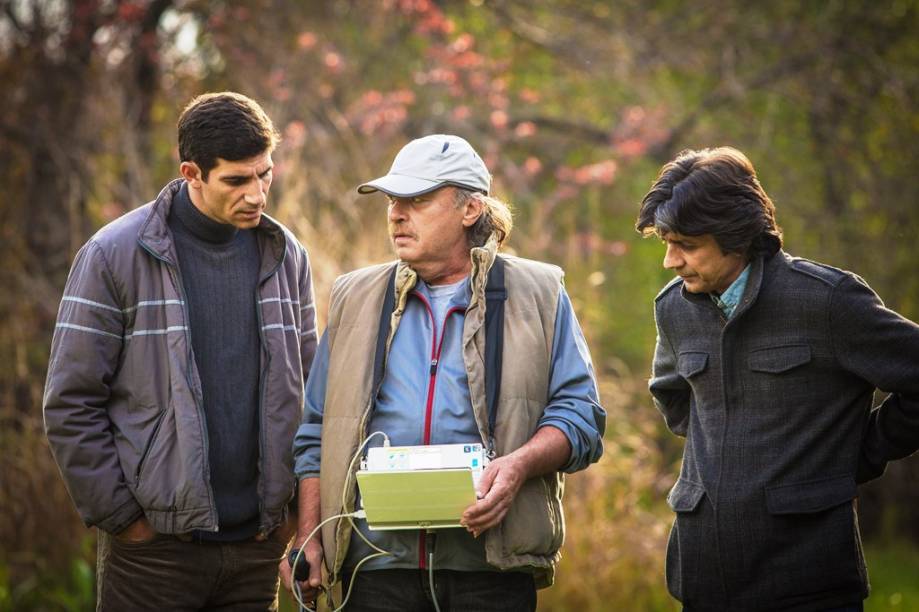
(452,343)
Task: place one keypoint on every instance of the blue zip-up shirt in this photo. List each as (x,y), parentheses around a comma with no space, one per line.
(414,407)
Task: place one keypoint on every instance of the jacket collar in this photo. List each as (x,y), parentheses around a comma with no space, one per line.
(482,259)
(750,294)
(155,237)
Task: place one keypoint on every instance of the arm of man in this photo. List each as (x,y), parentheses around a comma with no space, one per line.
(881,347)
(307,520)
(670,391)
(308,335)
(306,449)
(547,451)
(569,436)
(85,351)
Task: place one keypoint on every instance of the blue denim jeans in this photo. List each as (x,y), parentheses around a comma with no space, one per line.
(408,590)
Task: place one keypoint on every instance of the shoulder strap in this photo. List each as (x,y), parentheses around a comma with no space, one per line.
(495,296)
(389,304)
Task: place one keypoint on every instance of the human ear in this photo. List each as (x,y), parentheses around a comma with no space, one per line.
(473,209)
(191,173)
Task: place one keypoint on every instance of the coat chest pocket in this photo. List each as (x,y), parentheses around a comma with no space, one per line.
(779,359)
(696,369)
(780,377)
(692,363)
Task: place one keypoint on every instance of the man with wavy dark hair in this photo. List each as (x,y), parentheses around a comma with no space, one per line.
(767,364)
(184,336)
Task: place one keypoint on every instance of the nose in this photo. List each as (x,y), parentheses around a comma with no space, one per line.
(673,259)
(257,192)
(396,211)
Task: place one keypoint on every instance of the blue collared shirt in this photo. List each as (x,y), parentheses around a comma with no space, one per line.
(729,300)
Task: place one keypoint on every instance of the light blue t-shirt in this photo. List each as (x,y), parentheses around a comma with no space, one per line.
(440,299)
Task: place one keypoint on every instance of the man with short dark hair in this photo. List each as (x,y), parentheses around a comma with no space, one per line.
(767,364)
(452,344)
(175,385)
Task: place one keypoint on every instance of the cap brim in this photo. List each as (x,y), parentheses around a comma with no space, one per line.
(401,186)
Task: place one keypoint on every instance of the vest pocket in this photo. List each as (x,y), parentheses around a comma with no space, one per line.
(534,523)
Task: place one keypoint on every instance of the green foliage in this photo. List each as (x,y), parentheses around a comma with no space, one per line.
(47,588)
(892,569)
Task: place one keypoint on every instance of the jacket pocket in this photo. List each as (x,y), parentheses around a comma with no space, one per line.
(778,359)
(150,442)
(685,496)
(691,363)
(534,524)
(810,497)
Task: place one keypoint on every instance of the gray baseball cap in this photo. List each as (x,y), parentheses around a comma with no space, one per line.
(428,163)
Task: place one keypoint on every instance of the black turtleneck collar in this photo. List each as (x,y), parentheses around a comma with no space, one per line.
(197,223)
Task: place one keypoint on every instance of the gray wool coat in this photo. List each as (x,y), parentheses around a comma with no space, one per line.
(776,407)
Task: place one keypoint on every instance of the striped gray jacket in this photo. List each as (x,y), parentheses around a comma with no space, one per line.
(122,406)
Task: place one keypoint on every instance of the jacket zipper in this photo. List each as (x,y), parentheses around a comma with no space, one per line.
(199,402)
(264,527)
(436,348)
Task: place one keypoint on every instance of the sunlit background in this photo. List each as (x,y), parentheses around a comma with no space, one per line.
(574,105)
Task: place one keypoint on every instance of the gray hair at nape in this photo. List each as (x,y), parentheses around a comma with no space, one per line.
(496,217)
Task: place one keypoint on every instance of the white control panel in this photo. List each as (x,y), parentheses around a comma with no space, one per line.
(431,457)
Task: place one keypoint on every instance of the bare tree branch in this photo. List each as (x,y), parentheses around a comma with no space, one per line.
(576,55)
(576,129)
(718,98)
(7,8)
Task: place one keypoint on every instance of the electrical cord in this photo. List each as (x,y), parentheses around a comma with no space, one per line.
(344,494)
(431,580)
(350,516)
(298,595)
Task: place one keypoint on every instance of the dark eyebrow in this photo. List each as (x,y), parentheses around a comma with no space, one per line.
(682,241)
(241,178)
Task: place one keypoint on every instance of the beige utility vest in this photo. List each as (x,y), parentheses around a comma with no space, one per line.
(533,529)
